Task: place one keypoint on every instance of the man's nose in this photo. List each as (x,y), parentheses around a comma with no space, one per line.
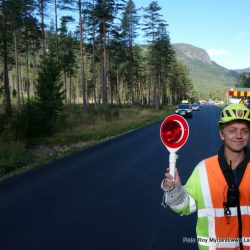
(239,134)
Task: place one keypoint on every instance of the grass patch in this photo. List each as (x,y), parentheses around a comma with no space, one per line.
(92,124)
(13,156)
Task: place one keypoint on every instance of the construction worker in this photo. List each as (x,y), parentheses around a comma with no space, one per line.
(219,187)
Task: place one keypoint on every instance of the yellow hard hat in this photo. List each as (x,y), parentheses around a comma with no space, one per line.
(234,112)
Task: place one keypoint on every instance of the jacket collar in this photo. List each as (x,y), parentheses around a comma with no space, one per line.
(226,169)
(223,162)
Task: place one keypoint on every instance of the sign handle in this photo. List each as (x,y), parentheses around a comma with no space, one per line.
(172,162)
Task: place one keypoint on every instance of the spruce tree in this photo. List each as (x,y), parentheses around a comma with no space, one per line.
(49,93)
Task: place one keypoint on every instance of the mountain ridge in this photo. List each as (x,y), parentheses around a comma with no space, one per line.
(209,78)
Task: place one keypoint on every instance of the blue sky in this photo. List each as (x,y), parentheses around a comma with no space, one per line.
(221,27)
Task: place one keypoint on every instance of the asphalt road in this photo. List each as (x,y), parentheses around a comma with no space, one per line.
(107,197)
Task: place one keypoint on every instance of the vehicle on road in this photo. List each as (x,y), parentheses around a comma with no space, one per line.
(184,110)
(196,107)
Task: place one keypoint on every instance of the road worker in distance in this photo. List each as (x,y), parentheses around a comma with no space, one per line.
(219,187)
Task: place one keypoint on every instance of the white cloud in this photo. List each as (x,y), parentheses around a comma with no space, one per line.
(218,52)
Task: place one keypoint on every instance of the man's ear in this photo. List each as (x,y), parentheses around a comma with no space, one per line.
(221,135)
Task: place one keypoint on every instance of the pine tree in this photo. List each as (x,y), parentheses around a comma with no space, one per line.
(42,7)
(105,11)
(163,53)
(67,56)
(78,5)
(49,93)
(129,26)
(152,27)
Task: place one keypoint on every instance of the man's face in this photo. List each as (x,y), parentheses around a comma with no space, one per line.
(235,135)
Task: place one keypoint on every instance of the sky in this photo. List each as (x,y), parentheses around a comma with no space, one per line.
(221,27)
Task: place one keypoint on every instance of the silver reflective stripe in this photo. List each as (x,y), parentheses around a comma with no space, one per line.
(230,244)
(188,199)
(192,204)
(181,205)
(215,212)
(207,199)
(246,242)
(219,212)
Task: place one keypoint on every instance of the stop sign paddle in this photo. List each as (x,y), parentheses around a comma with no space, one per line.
(174,132)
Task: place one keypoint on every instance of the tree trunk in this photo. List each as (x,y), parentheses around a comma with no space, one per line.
(93,54)
(5,63)
(70,88)
(65,85)
(103,60)
(157,97)
(74,92)
(117,88)
(34,67)
(86,88)
(82,80)
(56,30)
(42,23)
(17,71)
(27,63)
(130,70)
(21,85)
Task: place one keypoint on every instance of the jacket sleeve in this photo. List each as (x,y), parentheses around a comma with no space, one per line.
(182,199)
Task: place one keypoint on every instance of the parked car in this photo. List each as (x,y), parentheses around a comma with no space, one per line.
(184,110)
(196,106)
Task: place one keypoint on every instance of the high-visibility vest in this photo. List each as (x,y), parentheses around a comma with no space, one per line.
(207,190)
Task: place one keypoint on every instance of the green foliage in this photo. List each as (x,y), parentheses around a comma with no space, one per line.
(6,127)
(152,20)
(12,156)
(40,117)
(180,84)
(67,56)
(244,81)
(33,121)
(129,23)
(49,94)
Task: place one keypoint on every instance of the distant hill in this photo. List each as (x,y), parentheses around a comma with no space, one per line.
(208,77)
(241,71)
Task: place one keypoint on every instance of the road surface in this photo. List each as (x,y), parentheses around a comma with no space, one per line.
(107,197)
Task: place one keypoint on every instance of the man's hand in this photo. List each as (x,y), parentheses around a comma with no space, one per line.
(169,182)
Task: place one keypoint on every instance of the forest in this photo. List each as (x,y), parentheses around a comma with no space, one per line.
(94,47)
(73,52)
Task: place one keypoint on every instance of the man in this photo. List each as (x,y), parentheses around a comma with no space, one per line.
(219,187)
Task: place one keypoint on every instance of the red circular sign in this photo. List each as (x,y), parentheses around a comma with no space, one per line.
(174,131)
